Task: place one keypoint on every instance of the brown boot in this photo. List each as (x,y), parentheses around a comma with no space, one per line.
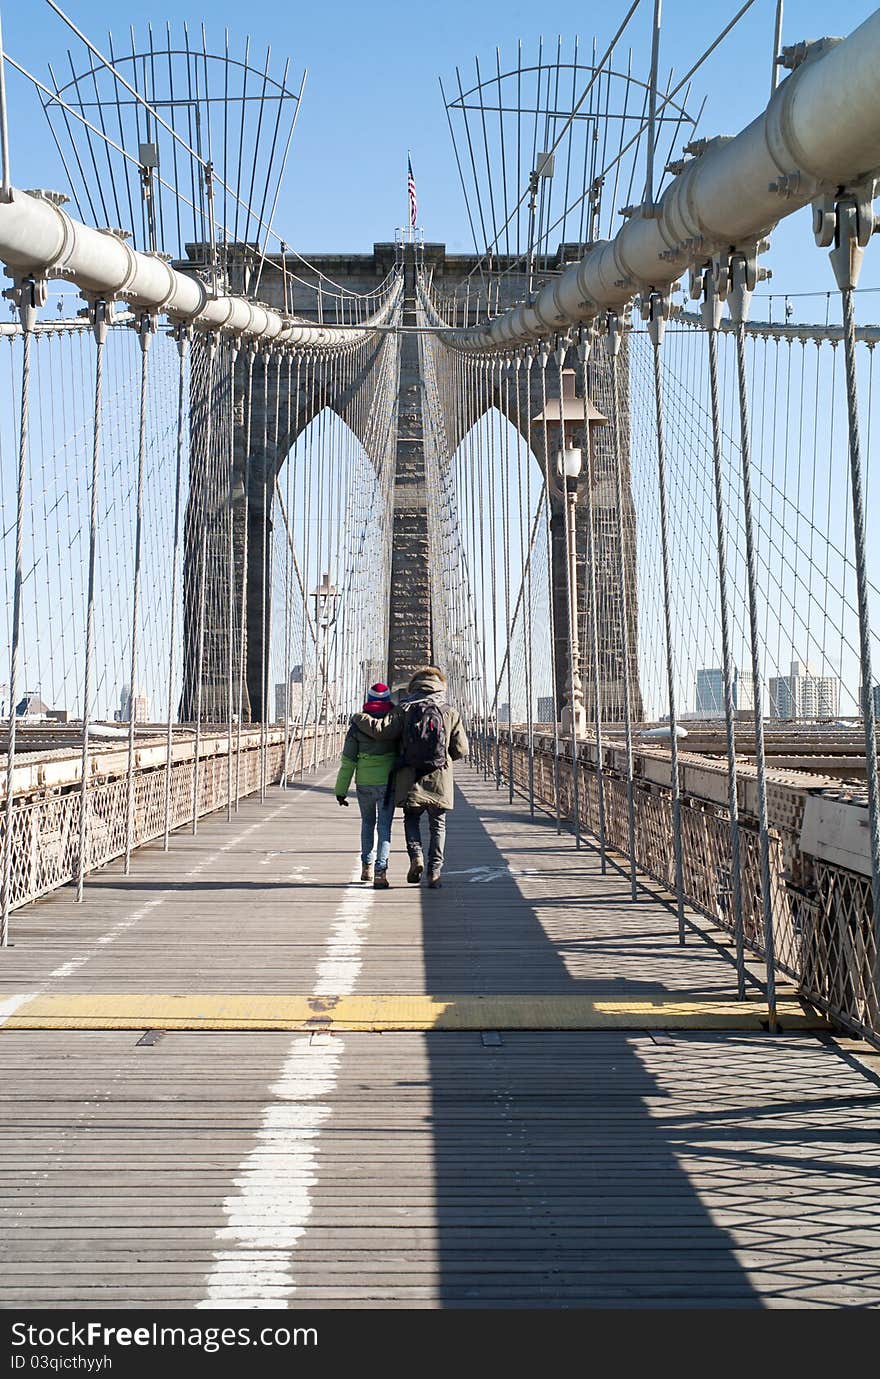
(434,882)
(367,871)
(381,883)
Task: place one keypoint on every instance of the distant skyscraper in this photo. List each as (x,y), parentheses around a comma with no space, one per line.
(141,706)
(710,691)
(503,713)
(546,709)
(803,694)
(296,697)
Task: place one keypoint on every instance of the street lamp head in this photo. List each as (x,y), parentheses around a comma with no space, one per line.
(569,462)
(326,597)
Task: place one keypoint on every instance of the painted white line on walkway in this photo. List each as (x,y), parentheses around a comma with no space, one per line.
(9,1005)
(340,965)
(269,1212)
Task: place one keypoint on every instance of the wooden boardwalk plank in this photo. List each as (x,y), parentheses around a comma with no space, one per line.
(415,1169)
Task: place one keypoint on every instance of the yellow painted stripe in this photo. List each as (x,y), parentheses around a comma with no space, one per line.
(132,1010)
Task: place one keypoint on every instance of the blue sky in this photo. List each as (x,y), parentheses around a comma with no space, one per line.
(372,92)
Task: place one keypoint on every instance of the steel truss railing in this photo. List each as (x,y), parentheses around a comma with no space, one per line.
(822,924)
(46,822)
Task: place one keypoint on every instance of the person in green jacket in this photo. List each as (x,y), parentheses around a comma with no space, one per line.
(422,787)
(371,763)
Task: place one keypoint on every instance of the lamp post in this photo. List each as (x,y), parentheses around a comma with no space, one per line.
(569,462)
(326,597)
(565,417)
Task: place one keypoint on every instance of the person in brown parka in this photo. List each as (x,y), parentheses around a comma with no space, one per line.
(416,790)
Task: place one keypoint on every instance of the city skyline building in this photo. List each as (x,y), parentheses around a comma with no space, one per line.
(546,709)
(295,700)
(139,700)
(804,694)
(710,691)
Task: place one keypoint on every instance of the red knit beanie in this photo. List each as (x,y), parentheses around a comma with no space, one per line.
(378,700)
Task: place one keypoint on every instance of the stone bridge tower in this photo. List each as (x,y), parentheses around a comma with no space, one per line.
(410,638)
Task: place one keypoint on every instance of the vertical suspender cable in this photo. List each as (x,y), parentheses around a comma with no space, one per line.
(267,573)
(569,509)
(493,558)
(614,340)
(145,327)
(656,330)
(711,312)
(483,447)
(264,567)
(528,629)
(860,538)
(245,528)
(544,354)
(230,580)
(505,485)
(99,313)
(182,335)
(583,354)
(204,509)
(760,762)
(288,586)
(27,328)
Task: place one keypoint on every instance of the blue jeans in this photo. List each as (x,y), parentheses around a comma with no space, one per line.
(412,832)
(371,799)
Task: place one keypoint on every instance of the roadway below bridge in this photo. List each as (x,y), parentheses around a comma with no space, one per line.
(238,1077)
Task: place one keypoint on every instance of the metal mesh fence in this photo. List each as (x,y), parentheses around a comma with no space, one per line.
(824,938)
(46,829)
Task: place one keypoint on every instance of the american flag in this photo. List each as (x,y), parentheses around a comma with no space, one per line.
(411,187)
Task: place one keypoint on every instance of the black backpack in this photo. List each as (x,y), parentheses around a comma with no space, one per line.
(423,741)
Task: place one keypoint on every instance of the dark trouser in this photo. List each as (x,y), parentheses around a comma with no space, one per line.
(412,832)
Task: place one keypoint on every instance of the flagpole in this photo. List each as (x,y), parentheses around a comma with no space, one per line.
(408,220)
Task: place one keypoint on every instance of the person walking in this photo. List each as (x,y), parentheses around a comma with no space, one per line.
(430,736)
(371,763)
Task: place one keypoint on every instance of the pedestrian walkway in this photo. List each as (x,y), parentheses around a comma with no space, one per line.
(222,1090)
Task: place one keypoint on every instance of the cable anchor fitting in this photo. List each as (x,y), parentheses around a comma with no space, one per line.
(844,223)
(146,324)
(744,274)
(655,309)
(28,294)
(584,345)
(101,316)
(182,333)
